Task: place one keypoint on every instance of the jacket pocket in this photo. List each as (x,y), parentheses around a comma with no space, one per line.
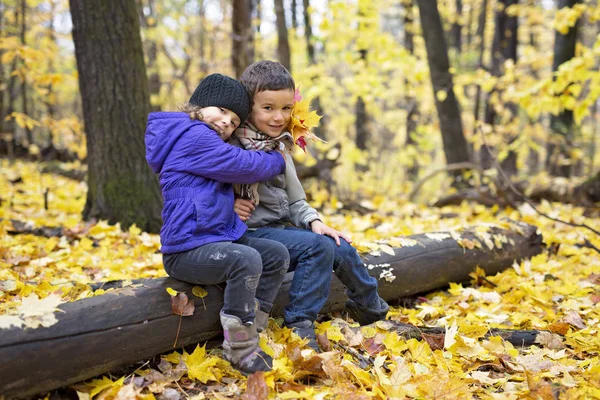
(179,218)
(211,214)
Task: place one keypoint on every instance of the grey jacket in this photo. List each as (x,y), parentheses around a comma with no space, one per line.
(282,199)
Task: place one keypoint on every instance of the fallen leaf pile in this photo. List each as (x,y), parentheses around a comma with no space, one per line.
(557,291)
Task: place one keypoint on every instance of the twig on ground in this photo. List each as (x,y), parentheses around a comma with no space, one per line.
(525,199)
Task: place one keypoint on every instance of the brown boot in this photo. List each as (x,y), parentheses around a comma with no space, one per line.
(240,346)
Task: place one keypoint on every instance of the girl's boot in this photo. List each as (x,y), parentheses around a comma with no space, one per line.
(240,346)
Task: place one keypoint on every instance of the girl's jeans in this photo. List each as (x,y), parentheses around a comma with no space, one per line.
(313,257)
(250,267)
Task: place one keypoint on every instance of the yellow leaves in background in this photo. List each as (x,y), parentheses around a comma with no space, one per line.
(567,17)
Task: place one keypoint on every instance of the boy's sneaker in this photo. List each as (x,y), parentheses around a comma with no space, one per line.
(367,315)
(306,330)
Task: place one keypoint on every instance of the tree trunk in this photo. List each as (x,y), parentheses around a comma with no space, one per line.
(24,102)
(558,160)
(283,45)
(412,115)
(294,7)
(2,83)
(504,47)
(455,144)
(114,93)
(126,325)
(481,38)
(321,130)
(456,33)
(361,124)
(151,49)
(242,53)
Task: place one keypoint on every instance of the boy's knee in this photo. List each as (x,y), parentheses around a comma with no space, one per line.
(282,255)
(322,245)
(345,251)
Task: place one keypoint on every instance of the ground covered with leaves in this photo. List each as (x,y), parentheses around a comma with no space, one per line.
(557,291)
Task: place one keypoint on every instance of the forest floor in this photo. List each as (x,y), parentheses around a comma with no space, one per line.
(558,291)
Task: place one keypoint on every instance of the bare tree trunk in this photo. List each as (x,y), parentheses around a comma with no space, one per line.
(469,37)
(202,38)
(2,83)
(24,103)
(456,33)
(151,49)
(558,160)
(283,45)
(321,130)
(114,93)
(504,47)
(294,7)
(362,122)
(455,144)
(480,34)
(242,53)
(412,114)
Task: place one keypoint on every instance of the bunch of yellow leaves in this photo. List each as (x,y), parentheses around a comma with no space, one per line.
(302,121)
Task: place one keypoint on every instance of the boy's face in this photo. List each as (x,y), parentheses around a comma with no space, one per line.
(272,110)
(223,119)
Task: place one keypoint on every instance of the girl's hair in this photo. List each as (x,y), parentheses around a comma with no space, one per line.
(195,112)
(266,75)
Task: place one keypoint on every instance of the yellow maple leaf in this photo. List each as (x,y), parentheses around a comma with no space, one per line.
(98,385)
(200,366)
(302,120)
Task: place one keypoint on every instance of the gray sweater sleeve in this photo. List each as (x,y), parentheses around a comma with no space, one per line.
(301,214)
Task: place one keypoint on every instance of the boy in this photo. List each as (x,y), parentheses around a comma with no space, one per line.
(284,215)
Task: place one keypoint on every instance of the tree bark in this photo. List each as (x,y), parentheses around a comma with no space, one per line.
(504,47)
(114,92)
(151,49)
(283,45)
(123,326)
(480,34)
(412,115)
(242,53)
(321,130)
(558,159)
(455,144)
(24,102)
(294,7)
(456,33)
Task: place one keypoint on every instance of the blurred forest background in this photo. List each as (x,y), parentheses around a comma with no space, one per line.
(408,88)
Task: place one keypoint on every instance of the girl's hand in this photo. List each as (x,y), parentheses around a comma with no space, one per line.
(243,208)
(322,229)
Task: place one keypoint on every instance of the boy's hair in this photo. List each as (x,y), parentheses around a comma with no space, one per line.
(266,75)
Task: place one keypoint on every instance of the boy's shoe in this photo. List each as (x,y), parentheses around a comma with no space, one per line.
(240,346)
(367,315)
(306,330)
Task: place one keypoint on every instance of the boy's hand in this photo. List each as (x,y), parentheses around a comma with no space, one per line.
(243,208)
(322,229)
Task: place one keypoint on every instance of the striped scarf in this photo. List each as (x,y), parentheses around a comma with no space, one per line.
(253,139)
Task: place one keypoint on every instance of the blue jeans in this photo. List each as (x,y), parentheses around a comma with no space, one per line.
(250,267)
(313,257)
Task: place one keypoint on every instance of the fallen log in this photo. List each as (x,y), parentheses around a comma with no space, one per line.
(128,324)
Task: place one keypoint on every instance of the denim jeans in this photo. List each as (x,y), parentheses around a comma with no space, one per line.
(250,267)
(313,257)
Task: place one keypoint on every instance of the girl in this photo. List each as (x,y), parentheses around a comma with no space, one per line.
(202,240)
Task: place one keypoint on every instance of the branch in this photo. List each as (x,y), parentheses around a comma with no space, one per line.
(512,187)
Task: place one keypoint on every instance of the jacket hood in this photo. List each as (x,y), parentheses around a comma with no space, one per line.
(162,131)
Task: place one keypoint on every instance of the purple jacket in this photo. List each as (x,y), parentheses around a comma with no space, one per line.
(196,170)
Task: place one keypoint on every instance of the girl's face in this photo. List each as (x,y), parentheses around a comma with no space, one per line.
(272,110)
(221,118)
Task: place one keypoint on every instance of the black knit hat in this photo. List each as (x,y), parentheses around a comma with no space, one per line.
(217,90)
